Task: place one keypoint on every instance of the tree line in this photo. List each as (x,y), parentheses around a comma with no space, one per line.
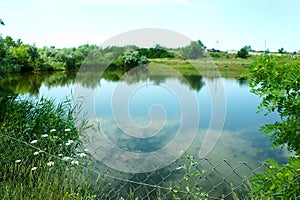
(15,56)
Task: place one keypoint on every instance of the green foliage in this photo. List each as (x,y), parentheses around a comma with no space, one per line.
(193,51)
(50,182)
(192,176)
(281,50)
(42,152)
(215,55)
(155,53)
(244,52)
(50,126)
(277,81)
(276,181)
(132,58)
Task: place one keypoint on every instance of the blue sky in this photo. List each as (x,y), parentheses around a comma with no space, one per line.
(234,23)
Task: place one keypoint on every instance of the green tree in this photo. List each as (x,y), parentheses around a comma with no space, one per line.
(193,51)
(244,52)
(33,57)
(21,58)
(132,58)
(281,50)
(277,81)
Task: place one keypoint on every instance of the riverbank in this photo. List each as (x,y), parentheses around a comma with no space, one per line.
(208,67)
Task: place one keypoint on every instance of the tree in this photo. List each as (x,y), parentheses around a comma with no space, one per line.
(132,58)
(277,81)
(157,52)
(201,44)
(281,50)
(244,52)
(33,56)
(193,51)
(1,22)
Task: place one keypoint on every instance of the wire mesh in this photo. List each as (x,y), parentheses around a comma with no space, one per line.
(207,179)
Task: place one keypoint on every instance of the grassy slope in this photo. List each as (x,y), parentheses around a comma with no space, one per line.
(231,68)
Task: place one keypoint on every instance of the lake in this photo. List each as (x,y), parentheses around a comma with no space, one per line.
(145,122)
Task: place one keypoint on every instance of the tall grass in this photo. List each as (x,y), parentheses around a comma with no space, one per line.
(42,156)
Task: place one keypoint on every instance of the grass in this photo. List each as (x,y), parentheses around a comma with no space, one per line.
(42,156)
(229,68)
(62,182)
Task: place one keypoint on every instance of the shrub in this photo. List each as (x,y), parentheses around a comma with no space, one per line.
(243,53)
(277,81)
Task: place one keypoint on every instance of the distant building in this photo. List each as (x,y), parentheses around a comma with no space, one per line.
(256,53)
(231,51)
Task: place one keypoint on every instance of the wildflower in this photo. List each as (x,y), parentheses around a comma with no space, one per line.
(33,142)
(34,168)
(86,150)
(52,130)
(67,129)
(69,142)
(50,163)
(81,155)
(74,162)
(271,166)
(36,153)
(66,158)
(44,135)
(60,154)
(17,161)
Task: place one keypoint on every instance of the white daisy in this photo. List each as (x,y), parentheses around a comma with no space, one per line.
(44,135)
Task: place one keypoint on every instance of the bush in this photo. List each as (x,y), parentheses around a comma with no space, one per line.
(215,55)
(277,81)
(243,53)
(155,53)
(193,51)
(276,181)
(132,58)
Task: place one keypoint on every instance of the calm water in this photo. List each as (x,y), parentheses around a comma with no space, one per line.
(142,114)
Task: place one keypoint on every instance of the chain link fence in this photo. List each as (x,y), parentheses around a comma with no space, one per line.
(187,177)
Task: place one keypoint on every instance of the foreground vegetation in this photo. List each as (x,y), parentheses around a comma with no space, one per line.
(277,81)
(41,151)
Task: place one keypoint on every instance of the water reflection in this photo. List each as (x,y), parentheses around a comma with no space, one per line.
(30,83)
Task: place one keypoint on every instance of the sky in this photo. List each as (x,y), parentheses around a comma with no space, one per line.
(220,24)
